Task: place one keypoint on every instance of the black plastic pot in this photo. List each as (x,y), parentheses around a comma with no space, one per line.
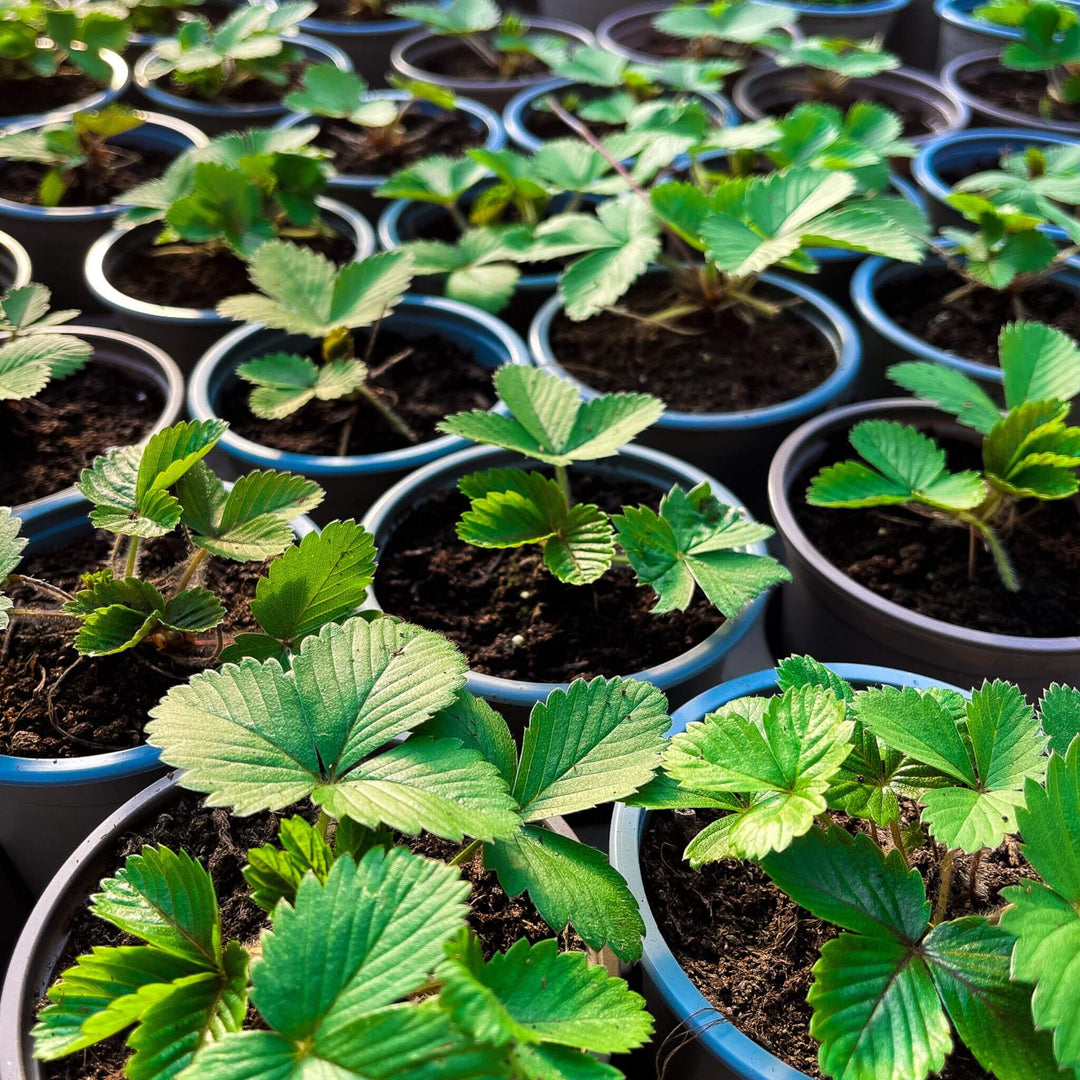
(15,268)
(113,90)
(366,44)
(121,352)
(410,56)
(825,613)
(58,237)
(187,332)
(43,940)
(767,90)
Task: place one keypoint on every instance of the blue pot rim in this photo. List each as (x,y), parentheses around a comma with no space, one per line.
(873,271)
(840,10)
(119,80)
(720,1037)
(241,114)
(924,169)
(496,136)
(201,406)
(11,209)
(343,29)
(112,298)
(848,361)
(665,675)
(389,237)
(20,257)
(949,11)
(91,768)
(514,112)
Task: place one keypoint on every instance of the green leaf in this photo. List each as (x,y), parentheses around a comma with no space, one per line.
(537,994)
(457,17)
(11,549)
(28,363)
(589,744)
(690,543)
(286,382)
(475,724)
(1059,714)
(1039,363)
(327,91)
(570,884)
(806,671)
(192,611)
(742,23)
(950,390)
(438,179)
(274,873)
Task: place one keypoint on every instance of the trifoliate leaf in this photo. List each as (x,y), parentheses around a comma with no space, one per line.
(28,363)
(950,390)
(274,873)
(457,17)
(286,382)
(746,24)
(439,179)
(327,91)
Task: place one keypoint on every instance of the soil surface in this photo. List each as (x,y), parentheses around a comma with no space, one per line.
(726,365)
(199,279)
(249,92)
(750,950)
(484,599)
(357,152)
(42,94)
(1018,91)
(458,61)
(970,325)
(103,703)
(48,439)
(220,843)
(923,566)
(655,42)
(433,378)
(19,180)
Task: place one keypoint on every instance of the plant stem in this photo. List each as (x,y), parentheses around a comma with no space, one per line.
(194,563)
(562,478)
(466,853)
(898,841)
(460,220)
(132,556)
(388,414)
(941,905)
(824,819)
(41,586)
(973,872)
(38,613)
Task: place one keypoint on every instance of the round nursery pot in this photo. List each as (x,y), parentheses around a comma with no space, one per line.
(767,90)
(519,111)
(366,44)
(123,354)
(886,342)
(215,117)
(14,263)
(680,677)
(48,805)
(358,189)
(955,76)
(413,56)
(851,19)
(914,35)
(58,237)
(824,611)
(587,13)
(113,90)
(736,447)
(962,33)
(43,941)
(187,332)
(960,154)
(717,1049)
(351,482)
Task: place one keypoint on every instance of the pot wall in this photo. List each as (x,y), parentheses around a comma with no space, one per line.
(119,80)
(853,20)
(58,237)
(824,612)
(15,266)
(962,33)
(366,44)
(914,35)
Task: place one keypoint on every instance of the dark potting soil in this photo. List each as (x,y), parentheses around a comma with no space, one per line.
(483,599)
(249,92)
(970,325)
(1018,91)
(655,42)
(48,439)
(19,180)
(44,93)
(458,61)
(102,704)
(220,843)
(923,566)
(198,279)
(750,950)
(433,378)
(725,366)
(356,151)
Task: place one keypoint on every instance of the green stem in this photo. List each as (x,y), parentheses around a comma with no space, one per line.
(973,873)
(898,841)
(388,414)
(466,853)
(562,478)
(38,613)
(132,556)
(194,563)
(941,905)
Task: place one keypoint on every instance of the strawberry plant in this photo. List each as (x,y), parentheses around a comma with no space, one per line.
(159,18)
(902,983)
(733,29)
(68,147)
(691,542)
(30,357)
(302,292)
(251,44)
(1029,451)
(831,63)
(502,42)
(243,189)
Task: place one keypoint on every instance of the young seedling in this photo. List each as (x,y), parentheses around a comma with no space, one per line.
(251,44)
(243,189)
(889,992)
(70,147)
(302,292)
(30,358)
(733,29)
(1049,42)
(831,63)
(690,543)
(1028,450)
(38,40)
(503,42)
